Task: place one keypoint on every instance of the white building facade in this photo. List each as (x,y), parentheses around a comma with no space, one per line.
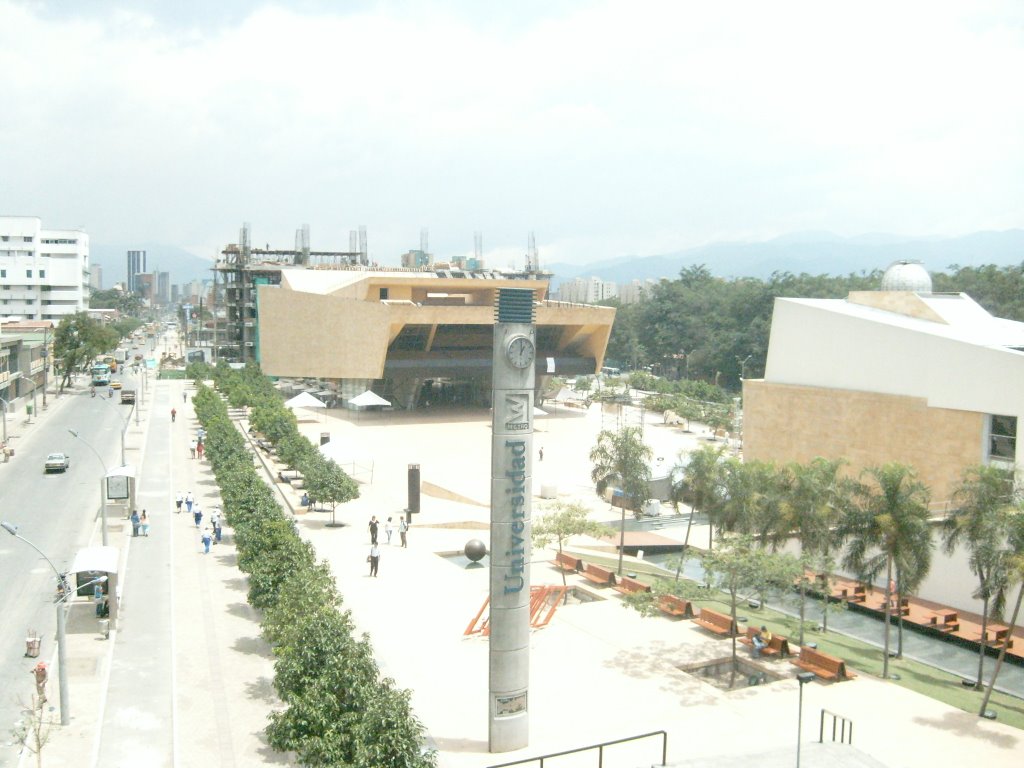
(44,273)
(587,290)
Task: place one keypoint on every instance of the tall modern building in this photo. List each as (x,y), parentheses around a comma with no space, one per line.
(163,288)
(136,265)
(96,277)
(44,273)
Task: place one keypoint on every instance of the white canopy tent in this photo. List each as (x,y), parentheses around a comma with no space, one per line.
(368,399)
(304,400)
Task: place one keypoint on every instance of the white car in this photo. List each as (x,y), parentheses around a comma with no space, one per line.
(57,462)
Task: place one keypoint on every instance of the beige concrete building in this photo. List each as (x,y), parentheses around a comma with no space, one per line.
(416,337)
(930,380)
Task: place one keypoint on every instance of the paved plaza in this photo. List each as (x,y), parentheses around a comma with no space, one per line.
(185,679)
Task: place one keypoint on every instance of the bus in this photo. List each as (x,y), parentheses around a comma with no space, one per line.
(109,360)
(100,375)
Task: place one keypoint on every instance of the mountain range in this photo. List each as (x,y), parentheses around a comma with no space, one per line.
(811,252)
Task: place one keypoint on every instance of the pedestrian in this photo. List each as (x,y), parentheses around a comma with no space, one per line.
(184,397)
(189,501)
(144,523)
(178,500)
(135,522)
(542,453)
(403,528)
(174,415)
(97,598)
(192,448)
(215,517)
(207,540)
(217,532)
(374,558)
(197,515)
(41,675)
(387,529)
(199,450)
(200,434)
(373,529)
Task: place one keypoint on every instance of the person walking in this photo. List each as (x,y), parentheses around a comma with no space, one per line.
(388,529)
(207,540)
(197,515)
(541,453)
(178,501)
(403,529)
(217,532)
(189,501)
(192,448)
(174,415)
(199,450)
(144,523)
(374,559)
(184,397)
(373,529)
(136,521)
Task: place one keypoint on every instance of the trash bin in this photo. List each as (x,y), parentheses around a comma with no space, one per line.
(105,628)
(28,410)
(32,643)
(325,438)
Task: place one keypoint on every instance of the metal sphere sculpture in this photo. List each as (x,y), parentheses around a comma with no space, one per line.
(475,550)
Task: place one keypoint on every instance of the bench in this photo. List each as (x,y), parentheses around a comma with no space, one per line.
(995,636)
(675,606)
(824,666)
(944,620)
(860,594)
(289,475)
(777,646)
(598,575)
(716,622)
(567,563)
(628,586)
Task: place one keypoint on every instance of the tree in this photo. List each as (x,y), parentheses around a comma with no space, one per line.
(702,484)
(1015,570)
(76,341)
(328,483)
(889,531)
(817,499)
(980,519)
(742,566)
(622,460)
(560,525)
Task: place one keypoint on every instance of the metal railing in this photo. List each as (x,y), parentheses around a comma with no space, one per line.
(599,747)
(841,727)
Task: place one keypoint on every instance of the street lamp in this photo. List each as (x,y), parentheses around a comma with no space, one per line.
(803,678)
(62,666)
(5,404)
(743,366)
(103,482)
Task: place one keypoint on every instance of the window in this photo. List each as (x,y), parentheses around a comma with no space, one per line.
(1002,438)
(3,273)
(28,273)
(42,273)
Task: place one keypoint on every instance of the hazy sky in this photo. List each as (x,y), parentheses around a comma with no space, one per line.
(607,128)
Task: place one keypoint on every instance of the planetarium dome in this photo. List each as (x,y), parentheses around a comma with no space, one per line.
(907,276)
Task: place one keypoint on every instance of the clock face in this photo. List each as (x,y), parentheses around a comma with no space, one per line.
(520,352)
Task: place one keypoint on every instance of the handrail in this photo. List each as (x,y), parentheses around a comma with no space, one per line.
(599,747)
(844,737)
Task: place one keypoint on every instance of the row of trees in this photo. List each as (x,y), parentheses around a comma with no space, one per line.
(78,339)
(324,480)
(879,523)
(339,710)
(703,327)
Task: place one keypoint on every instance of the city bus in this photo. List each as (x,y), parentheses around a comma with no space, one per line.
(100,375)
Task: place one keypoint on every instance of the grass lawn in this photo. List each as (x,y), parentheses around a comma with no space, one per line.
(860,658)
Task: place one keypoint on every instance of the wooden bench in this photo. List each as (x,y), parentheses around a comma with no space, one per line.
(717,622)
(598,575)
(824,666)
(995,636)
(675,606)
(567,563)
(777,646)
(628,586)
(860,594)
(944,620)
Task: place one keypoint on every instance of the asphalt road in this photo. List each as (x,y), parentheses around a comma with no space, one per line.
(56,512)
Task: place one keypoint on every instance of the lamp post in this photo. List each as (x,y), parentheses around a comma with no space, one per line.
(743,366)
(62,666)
(5,404)
(103,482)
(46,360)
(803,678)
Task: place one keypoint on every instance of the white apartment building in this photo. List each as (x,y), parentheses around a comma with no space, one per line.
(587,290)
(636,291)
(44,273)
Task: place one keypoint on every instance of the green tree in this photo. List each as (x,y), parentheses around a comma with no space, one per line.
(980,519)
(303,592)
(888,531)
(622,460)
(76,341)
(563,523)
(1015,571)
(742,566)
(328,483)
(702,485)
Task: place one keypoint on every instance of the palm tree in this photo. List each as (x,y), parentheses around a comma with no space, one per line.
(818,498)
(889,531)
(1015,571)
(980,520)
(622,460)
(701,482)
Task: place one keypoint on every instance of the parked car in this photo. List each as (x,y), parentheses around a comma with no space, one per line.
(57,462)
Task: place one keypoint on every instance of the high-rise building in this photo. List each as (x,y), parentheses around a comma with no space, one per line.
(145,286)
(136,265)
(163,288)
(44,273)
(587,291)
(96,277)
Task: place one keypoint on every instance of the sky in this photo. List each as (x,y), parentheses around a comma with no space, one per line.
(606,128)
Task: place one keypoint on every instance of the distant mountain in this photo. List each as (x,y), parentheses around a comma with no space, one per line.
(811,252)
(183,266)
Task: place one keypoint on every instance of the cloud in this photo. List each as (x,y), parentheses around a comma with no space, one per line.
(611,128)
